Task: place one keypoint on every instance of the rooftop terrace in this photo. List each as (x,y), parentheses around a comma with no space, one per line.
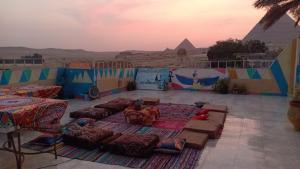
(256,133)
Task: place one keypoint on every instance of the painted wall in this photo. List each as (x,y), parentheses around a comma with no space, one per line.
(152,78)
(75,82)
(24,76)
(78,81)
(113,79)
(257,81)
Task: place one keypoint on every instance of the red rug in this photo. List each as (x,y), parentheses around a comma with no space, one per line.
(174,124)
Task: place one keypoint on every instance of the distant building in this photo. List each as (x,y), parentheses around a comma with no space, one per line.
(28,59)
(276,37)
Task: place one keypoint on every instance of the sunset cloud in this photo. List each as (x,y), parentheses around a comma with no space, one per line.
(123,24)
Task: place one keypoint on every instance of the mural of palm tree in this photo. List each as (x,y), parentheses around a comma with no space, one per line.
(276,9)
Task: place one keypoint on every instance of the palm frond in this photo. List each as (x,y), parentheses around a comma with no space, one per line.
(267,3)
(277,11)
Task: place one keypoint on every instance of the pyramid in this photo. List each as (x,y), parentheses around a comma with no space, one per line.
(185,44)
(278,35)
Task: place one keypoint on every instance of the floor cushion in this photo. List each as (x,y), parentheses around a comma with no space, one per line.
(94,113)
(104,144)
(116,105)
(212,129)
(194,139)
(171,145)
(84,137)
(150,101)
(217,117)
(134,145)
(218,108)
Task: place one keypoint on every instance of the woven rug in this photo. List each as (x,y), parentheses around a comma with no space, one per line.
(186,160)
(168,111)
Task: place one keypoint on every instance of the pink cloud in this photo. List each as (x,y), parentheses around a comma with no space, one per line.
(125,24)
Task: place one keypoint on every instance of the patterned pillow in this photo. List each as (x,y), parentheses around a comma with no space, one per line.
(171,145)
(85,137)
(134,145)
(85,121)
(116,105)
(94,113)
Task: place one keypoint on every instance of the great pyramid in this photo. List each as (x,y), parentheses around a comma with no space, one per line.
(277,36)
(185,44)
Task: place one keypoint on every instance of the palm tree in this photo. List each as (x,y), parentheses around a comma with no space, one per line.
(276,9)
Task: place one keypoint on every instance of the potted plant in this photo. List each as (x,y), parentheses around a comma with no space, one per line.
(131,85)
(222,86)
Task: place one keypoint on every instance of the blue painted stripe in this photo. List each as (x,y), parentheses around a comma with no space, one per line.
(279,77)
(298,75)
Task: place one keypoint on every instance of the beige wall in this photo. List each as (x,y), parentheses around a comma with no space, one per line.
(257,86)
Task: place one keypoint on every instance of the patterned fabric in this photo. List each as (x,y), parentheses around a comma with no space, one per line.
(94,113)
(134,145)
(86,136)
(188,159)
(32,91)
(168,112)
(145,116)
(30,112)
(170,145)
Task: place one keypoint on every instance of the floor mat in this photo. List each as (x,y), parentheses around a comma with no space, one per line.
(187,159)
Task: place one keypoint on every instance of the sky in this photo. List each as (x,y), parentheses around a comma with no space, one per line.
(116,25)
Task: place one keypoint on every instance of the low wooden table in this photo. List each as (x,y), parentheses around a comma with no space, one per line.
(144,116)
(150,101)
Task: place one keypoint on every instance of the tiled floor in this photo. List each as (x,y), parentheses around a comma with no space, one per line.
(257,134)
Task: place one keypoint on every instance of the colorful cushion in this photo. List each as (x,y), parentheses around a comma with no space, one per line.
(194,139)
(171,145)
(84,137)
(145,116)
(84,121)
(218,108)
(212,129)
(94,113)
(116,105)
(134,145)
(104,144)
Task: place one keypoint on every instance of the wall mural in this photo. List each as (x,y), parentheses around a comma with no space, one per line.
(205,79)
(152,78)
(195,79)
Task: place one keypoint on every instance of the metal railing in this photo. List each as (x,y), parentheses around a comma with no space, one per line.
(228,64)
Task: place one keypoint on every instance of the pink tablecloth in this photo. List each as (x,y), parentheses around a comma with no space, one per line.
(32,91)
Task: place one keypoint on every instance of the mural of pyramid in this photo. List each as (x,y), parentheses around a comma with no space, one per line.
(185,44)
(279,35)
